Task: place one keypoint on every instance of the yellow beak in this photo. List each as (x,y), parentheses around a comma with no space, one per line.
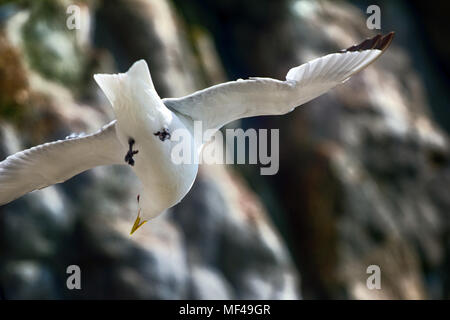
(138,223)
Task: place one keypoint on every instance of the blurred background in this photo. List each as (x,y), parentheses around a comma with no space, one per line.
(364,170)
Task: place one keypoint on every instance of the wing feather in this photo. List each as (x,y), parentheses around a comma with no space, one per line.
(223,103)
(55,162)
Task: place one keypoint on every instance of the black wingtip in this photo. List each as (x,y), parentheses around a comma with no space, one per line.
(378,42)
(386,41)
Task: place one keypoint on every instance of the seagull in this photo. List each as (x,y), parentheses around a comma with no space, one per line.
(140,136)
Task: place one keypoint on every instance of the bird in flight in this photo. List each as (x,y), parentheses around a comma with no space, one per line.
(140,136)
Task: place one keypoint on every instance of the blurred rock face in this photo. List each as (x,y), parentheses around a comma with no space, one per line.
(363,179)
(370,181)
(363,170)
(217,244)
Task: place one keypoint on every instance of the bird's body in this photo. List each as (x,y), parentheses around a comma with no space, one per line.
(141,134)
(140,114)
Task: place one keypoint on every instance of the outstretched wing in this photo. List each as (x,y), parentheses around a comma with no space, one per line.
(55,162)
(223,103)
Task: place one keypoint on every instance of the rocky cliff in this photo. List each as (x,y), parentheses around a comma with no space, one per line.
(363,174)
(217,244)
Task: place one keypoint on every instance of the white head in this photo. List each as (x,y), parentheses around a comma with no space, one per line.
(136,104)
(118,86)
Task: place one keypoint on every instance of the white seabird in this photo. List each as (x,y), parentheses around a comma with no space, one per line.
(140,135)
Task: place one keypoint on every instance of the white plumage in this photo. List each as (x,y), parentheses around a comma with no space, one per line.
(55,162)
(146,120)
